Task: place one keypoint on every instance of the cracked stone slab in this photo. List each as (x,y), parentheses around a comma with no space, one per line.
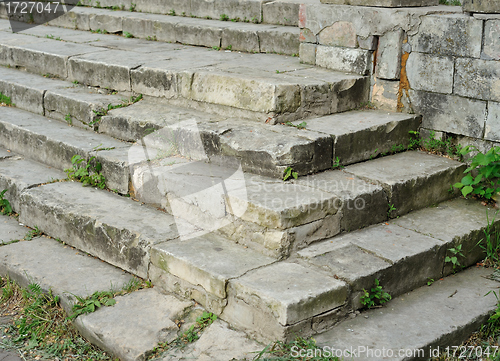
(268,299)
(62,269)
(87,219)
(11,230)
(22,132)
(444,314)
(129,334)
(362,135)
(204,261)
(411,180)
(454,222)
(17,175)
(218,342)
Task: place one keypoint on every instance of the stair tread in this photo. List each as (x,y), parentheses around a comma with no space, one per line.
(440,315)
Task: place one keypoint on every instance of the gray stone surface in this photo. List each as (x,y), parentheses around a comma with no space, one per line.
(444,314)
(481,6)
(491,40)
(267,299)
(411,180)
(341,33)
(450,113)
(492,127)
(344,59)
(203,261)
(86,218)
(477,78)
(129,334)
(23,131)
(218,342)
(430,72)
(385,94)
(362,135)
(11,230)
(389,55)
(17,175)
(64,270)
(383,3)
(454,222)
(455,35)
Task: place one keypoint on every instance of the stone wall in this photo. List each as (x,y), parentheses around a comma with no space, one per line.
(436,61)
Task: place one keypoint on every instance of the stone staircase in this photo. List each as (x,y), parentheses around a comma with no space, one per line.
(194,167)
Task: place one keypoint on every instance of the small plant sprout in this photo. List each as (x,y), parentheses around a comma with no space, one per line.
(375,297)
(392,208)
(5,207)
(453,258)
(289,172)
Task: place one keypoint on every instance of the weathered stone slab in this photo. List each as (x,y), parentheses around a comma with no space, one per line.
(455,35)
(279,40)
(203,261)
(279,295)
(59,268)
(383,3)
(411,180)
(477,79)
(430,73)
(450,113)
(439,319)
(361,135)
(385,94)
(389,55)
(195,34)
(341,33)
(86,218)
(455,222)
(491,47)
(11,230)
(150,27)
(344,59)
(481,6)
(129,334)
(360,203)
(24,90)
(104,22)
(281,12)
(17,175)
(240,40)
(492,127)
(307,53)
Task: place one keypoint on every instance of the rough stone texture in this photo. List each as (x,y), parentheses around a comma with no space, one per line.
(411,180)
(453,35)
(492,127)
(385,94)
(17,175)
(344,59)
(477,78)
(104,22)
(481,6)
(279,295)
(86,219)
(218,342)
(383,3)
(389,55)
(450,113)
(129,334)
(281,12)
(11,230)
(341,33)
(22,89)
(361,135)
(430,73)
(454,222)
(491,39)
(60,268)
(279,40)
(203,261)
(307,53)
(444,314)
(23,132)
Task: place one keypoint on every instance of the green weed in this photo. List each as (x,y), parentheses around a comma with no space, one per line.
(86,172)
(92,303)
(224,17)
(456,252)
(5,100)
(375,297)
(68,119)
(288,172)
(33,233)
(127,34)
(490,244)
(302,125)
(336,163)
(392,208)
(5,207)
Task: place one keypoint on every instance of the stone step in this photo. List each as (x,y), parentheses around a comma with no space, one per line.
(441,317)
(264,87)
(72,103)
(237,36)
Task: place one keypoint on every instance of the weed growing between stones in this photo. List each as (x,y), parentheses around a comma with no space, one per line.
(5,207)
(375,297)
(39,327)
(454,254)
(86,172)
(298,349)
(5,100)
(289,173)
(103,112)
(435,145)
(490,244)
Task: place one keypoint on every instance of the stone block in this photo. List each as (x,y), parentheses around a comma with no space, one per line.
(455,35)
(383,3)
(481,6)
(475,78)
(491,41)
(369,43)
(246,40)
(279,40)
(357,61)
(194,34)
(307,36)
(385,94)
(144,28)
(430,73)
(281,13)
(340,33)
(204,9)
(242,9)
(307,53)
(111,24)
(450,113)
(389,55)
(492,127)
